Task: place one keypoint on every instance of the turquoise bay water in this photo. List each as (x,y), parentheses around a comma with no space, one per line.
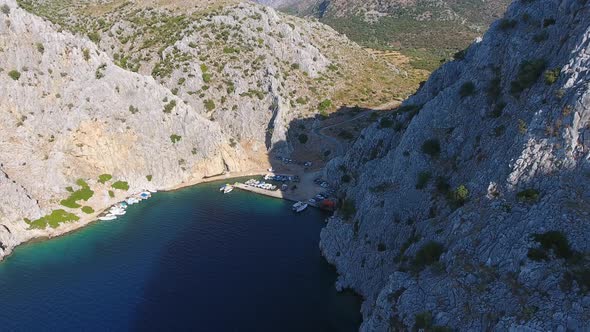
(192,259)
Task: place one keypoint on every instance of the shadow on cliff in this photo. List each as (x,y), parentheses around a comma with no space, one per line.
(320,138)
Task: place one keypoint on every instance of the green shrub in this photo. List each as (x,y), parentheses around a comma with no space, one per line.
(348,209)
(541,37)
(423,321)
(87,210)
(206,77)
(303,138)
(498,109)
(175,138)
(409,109)
(40,48)
(324,105)
(149,177)
(423,179)
(499,130)
(301,100)
(506,24)
(528,195)
(295,66)
(84,193)
(442,185)
(209,105)
(103,178)
(537,254)
(120,185)
(460,55)
(86,54)
(346,178)
(554,241)
(14,74)
(431,147)
(170,106)
(429,254)
(548,22)
(5,9)
(460,195)
(100,71)
(94,36)
(528,74)
(230,50)
(385,123)
(111,194)
(53,220)
(467,89)
(552,75)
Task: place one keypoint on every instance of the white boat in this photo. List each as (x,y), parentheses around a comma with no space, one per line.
(228,189)
(108,217)
(132,200)
(299,207)
(117,211)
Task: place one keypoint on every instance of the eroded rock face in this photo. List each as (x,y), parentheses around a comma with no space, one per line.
(69,113)
(458,202)
(155,96)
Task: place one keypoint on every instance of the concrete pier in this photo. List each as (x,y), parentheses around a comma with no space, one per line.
(271,193)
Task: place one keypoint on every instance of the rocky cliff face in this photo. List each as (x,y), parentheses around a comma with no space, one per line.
(233,61)
(69,113)
(112,98)
(468,209)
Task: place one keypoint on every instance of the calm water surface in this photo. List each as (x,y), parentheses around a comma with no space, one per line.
(193,259)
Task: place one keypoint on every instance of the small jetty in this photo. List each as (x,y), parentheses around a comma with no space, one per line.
(270,193)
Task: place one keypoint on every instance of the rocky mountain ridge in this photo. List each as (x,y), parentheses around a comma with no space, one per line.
(467,210)
(113,97)
(69,115)
(436,25)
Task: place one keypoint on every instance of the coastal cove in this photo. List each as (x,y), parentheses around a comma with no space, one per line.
(190,258)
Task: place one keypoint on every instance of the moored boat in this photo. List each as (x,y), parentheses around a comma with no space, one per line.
(228,189)
(107,217)
(299,207)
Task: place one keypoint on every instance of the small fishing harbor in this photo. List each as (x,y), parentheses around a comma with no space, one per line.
(308,189)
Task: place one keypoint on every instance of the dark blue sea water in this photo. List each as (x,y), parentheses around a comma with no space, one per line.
(192,259)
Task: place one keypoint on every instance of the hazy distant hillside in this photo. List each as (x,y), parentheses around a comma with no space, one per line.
(439,27)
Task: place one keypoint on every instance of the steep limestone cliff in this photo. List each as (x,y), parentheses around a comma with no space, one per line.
(468,208)
(69,114)
(101,99)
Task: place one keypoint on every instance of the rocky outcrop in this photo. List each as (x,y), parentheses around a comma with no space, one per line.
(112,98)
(69,113)
(468,208)
(241,65)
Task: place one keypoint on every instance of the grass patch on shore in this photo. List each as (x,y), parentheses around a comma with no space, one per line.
(82,194)
(103,178)
(121,185)
(87,210)
(53,220)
